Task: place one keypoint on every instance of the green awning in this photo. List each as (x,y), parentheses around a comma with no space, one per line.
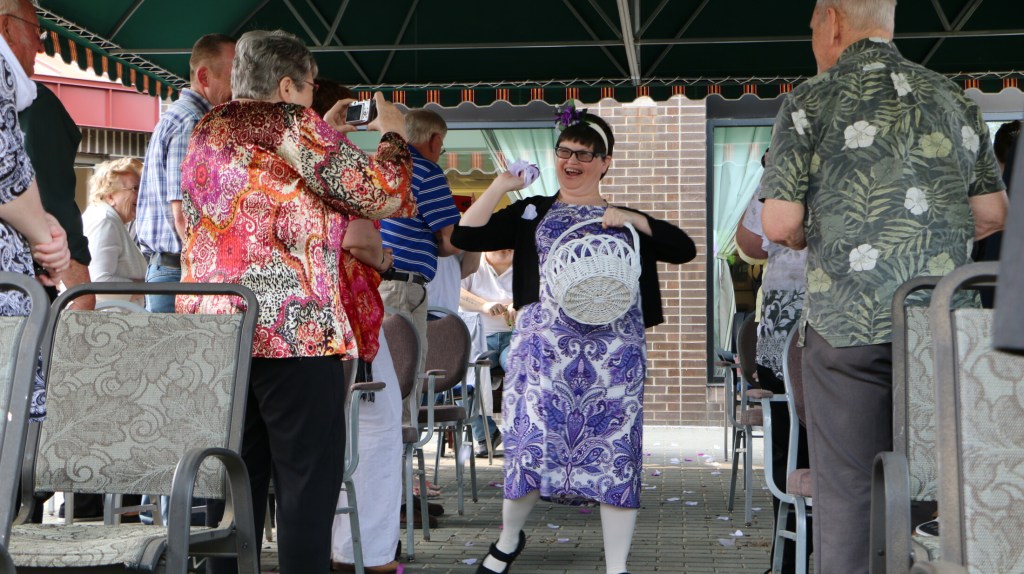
(450,51)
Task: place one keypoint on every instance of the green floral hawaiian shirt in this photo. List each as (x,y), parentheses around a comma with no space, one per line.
(883,153)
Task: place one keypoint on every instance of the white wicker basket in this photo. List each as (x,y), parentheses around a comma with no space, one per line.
(594,278)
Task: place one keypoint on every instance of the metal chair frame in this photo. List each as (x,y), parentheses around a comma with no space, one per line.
(14,428)
(743,434)
(236,533)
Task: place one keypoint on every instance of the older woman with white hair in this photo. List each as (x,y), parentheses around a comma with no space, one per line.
(268,191)
(113,196)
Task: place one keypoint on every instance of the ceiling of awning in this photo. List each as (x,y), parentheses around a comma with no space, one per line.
(449,51)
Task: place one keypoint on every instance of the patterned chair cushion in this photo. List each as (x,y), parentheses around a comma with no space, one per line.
(991,401)
(129,393)
(85,545)
(921,449)
(10,337)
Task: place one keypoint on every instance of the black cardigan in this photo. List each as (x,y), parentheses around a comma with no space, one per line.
(508,230)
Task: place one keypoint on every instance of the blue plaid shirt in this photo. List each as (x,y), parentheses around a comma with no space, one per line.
(161,174)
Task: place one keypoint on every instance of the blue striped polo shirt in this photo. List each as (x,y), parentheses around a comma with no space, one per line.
(412,239)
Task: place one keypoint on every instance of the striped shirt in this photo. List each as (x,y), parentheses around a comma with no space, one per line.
(161,174)
(412,239)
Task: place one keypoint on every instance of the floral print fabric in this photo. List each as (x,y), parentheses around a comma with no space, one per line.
(268,188)
(363,304)
(884,155)
(573,398)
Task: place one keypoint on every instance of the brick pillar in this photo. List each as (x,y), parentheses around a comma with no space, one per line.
(659,167)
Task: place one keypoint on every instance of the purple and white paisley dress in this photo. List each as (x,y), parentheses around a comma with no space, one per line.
(573,400)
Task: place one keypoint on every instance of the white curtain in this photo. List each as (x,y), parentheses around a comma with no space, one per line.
(536,146)
(737,172)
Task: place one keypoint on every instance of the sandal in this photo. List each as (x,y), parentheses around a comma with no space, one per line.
(433,490)
(508,559)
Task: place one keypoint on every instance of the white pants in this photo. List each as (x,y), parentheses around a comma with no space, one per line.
(378,478)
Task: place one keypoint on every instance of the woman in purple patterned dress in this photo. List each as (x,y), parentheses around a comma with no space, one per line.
(573,402)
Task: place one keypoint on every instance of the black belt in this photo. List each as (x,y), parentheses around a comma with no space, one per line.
(392,275)
(166,260)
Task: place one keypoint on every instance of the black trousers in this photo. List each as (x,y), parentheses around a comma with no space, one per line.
(780,451)
(848,393)
(295,432)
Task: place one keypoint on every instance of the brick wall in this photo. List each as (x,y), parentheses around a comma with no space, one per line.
(660,168)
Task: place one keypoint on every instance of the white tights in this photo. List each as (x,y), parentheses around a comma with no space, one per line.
(617,525)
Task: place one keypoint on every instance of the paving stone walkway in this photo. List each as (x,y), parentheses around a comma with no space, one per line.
(683,526)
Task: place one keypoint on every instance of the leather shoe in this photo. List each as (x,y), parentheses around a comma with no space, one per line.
(388,568)
(417,520)
(433,508)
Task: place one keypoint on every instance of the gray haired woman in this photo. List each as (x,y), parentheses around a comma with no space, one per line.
(113,197)
(268,190)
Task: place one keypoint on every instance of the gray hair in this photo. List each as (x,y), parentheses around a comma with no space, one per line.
(865,14)
(421,124)
(107,176)
(263,58)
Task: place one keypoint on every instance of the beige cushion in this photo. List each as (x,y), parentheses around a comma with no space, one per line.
(920,424)
(752,417)
(85,545)
(444,414)
(758,394)
(991,412)
(10,337)
(129,393)
(410,435)
(800,482)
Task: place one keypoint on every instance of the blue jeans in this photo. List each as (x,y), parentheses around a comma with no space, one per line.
(161,274)
(498,342)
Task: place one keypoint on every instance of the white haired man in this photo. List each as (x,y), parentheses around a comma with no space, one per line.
(885,171)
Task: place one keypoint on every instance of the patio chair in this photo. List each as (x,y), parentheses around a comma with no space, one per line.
(141,402)
(746,416)
(20,339)
(485,362)
(909,473)
(351,508)
(404,342)
(795,495)
(725,362)
(978,398)
(447,365)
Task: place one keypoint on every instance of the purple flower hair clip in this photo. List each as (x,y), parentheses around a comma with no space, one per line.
(568,115)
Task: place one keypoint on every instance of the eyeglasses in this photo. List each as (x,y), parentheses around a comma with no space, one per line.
(42,33)
(581,154)
(443,151)
(315,85)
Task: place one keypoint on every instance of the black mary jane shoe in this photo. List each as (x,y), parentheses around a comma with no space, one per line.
(508,559)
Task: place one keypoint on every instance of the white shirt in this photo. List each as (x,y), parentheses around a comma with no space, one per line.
(115,256)
(488,285)
(443,289)
(785,267)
